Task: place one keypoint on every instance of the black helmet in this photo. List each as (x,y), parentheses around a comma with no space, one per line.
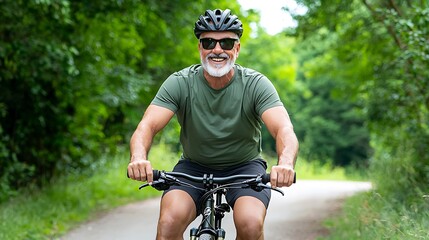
(217,21)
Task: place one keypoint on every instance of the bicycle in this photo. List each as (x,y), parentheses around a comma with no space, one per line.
(211,206)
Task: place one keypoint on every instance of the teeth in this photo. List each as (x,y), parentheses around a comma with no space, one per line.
(218,59)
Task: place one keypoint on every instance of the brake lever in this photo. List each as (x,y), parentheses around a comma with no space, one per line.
(277,190)
(159,185)
(144,185)
(259,186)
(255,184)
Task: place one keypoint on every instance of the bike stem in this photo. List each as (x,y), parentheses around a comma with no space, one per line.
(209,207)
(219,214)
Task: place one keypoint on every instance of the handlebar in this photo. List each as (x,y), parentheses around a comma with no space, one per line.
(218,180)
(163,180)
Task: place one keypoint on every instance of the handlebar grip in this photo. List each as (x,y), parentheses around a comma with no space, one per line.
(156,174)
(266,178)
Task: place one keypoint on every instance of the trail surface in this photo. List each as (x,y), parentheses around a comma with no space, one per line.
(298,215)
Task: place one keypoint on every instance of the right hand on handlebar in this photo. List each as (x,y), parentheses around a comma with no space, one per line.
(282,176)
(140,170)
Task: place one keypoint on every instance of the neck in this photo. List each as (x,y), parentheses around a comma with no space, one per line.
(219,82)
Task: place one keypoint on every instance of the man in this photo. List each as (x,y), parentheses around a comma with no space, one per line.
(220,106)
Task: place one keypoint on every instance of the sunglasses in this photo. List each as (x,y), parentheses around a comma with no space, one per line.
(225,43)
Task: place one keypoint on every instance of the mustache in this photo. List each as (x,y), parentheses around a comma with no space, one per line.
(222,55)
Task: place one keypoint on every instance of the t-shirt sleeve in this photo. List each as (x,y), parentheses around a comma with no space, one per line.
(168,95)
(266,96)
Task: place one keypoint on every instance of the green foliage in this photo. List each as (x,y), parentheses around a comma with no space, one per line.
(68,78)
(335,128)
(37,71)
(404,100)
(382,57)
(386,77)
(374,216)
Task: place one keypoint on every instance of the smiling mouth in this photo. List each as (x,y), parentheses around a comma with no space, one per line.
(217,59)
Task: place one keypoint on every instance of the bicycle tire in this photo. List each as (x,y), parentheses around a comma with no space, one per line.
(206,236)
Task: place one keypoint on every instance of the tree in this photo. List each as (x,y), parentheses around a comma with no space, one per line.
(334,128)
(382,56)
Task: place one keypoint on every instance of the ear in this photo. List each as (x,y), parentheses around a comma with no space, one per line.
(238,50)
(200,48)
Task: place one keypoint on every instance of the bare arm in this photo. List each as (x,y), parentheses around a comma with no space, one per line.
(154,119)
(279,125)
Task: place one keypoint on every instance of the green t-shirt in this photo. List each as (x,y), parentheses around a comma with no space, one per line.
(219,128)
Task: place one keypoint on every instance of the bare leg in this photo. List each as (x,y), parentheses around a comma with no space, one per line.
(249,216)
(177,212)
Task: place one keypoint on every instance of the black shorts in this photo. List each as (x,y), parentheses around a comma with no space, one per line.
(258,166)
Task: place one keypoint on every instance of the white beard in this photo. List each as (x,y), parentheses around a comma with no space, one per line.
(217,70)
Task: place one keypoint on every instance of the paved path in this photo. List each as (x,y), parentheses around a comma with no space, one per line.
(298,215)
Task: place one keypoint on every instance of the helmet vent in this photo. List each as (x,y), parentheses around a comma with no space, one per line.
(218,20)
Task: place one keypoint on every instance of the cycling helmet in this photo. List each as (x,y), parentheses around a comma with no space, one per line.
(218,20)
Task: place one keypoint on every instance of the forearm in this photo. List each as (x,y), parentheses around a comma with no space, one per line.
(141,142)
(287,146)
(154,119)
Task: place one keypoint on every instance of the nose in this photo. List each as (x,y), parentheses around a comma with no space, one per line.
(218,48)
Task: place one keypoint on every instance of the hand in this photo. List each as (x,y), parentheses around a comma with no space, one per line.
(140,170)
(282,176)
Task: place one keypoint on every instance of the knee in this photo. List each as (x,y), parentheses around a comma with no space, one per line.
(250,227)
(167,221)
(172,223)
(171,226)
(249,223)
(177,211)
